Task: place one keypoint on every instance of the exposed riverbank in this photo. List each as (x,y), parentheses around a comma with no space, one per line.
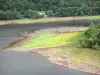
(70,60)
(73,20)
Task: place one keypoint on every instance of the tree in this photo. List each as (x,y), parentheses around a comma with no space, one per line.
(92,37)
(50,13)
(60,8)
(31,14)
(8,15)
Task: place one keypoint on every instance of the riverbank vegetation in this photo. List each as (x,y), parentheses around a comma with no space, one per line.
(17,9)
(92,37)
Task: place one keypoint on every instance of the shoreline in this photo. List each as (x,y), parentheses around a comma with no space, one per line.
(51,20)
(70,64)
(63,60)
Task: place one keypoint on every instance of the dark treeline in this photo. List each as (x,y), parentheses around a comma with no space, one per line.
(16,9)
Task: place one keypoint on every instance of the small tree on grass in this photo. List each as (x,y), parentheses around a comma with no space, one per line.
(92,37)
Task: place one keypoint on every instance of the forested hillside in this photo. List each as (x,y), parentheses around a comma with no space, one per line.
(16,9)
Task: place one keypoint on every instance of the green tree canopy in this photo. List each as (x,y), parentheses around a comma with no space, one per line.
(59,8)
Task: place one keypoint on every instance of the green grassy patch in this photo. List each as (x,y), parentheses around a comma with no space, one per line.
(85,52)
(78,60)
(34,42)
(76,52)
(51,40)
(79,55)
(83,55)
(94,17)
(98,64)
(59,51)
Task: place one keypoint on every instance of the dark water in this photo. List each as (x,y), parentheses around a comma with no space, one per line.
(14,63)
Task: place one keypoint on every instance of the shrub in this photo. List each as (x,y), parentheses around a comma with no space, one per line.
(50,13)
(92,37)
(17,15)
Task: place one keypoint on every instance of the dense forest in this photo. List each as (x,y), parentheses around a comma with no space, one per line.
(16,9)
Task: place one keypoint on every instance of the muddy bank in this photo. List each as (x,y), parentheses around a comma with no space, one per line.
(62,29)
(67,61)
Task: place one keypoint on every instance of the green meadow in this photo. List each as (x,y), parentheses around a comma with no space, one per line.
(52,40)
(94,17)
